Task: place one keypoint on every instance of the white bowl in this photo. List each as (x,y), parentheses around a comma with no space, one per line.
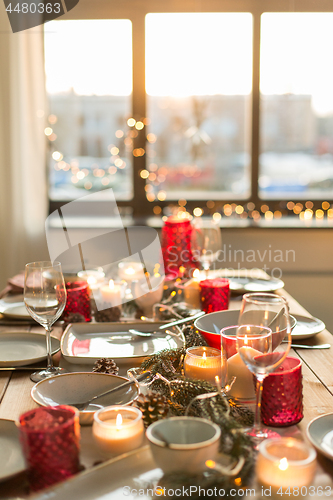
(191,442)
(78,387)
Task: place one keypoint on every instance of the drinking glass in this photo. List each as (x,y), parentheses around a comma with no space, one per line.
(45,300)
(263,342)
(206,241)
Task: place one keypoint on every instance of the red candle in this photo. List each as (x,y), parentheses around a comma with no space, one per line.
(176,245)
(214,294)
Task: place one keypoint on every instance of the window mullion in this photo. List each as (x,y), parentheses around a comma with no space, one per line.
(141,204)
(255,146)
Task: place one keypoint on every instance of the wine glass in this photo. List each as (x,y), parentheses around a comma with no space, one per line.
(45,300)
(206,241)
(263,342)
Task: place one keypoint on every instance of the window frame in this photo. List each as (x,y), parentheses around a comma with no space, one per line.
(136,11)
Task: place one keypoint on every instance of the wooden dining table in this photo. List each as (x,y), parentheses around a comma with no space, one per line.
(317,371)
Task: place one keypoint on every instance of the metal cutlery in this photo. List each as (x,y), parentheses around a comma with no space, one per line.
(140,378)
(30,368)
(167,325)
(304,346)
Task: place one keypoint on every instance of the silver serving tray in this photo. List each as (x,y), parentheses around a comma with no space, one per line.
(84,343)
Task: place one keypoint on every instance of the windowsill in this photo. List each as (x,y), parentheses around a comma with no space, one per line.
(94,222)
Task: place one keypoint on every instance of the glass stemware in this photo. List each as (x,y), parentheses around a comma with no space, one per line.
(263,342)
(206,241)
(45,300)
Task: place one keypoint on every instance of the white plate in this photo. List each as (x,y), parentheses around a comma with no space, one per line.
(11,456)
(69,388)
(13,307)
(245,285)
(320,433)
(307,327)
(24,348)
(85,343)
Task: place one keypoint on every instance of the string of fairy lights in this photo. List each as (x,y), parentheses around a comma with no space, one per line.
(155,176)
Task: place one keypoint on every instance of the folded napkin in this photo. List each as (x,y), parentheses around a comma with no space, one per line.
(14,285)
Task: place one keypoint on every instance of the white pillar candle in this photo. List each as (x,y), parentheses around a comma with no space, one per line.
(130,271)
(192,291)
(118,429)
(243,387)
(204,363)
(285,463)
(111,294)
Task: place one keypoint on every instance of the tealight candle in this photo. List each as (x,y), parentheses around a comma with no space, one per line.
(285,463)
(130,271)
(118,429)
(111,294)
(93,277)
(204,363)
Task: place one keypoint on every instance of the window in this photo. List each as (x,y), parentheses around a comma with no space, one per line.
(226,112)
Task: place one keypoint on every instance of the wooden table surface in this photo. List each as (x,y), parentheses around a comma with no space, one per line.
(317,369)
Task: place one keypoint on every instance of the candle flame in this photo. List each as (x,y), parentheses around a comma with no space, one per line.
(217,379)
(266,315)
(196,273)
(283,465)
(111,284)
(130,270)
(91,280)
(182,269)
(210,463)
(245,340)
(204,356)
(119,420)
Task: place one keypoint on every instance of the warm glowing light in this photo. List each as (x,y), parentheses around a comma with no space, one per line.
(80,175)
(210,204)
(277,214)
(52,119)
(227,210)
(112,170)
(204,357)
(239,209)
(319,214)
(290,205)
(269,215)
(130,270)
(161,195)
(330,213)
(88,185)
(119,134)
(151,197)
(210,464)
(118,162)
(283,465)
(114,150)
(217,216)
(309,204)
(119,420)
(91,280)
(48,131)
(144,174)
(308,214)
(151,138)
(57,156)
(325,205)
(197,212)
(131,122)
(139,125)
(182,269)
(196,273)
(264,208)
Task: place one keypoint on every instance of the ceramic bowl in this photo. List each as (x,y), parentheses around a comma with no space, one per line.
(211,325)
(78,387)
(191,442)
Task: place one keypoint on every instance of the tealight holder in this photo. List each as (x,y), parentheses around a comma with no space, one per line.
(118,429)
(285,463)
(205,363)
(94,277)
(78,300)
(214,294)
(176,245)
(183,443)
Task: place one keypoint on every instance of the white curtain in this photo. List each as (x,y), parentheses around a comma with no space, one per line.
(23,183)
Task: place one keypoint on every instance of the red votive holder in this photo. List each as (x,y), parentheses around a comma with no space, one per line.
(282,398)
(50,440)
(214,295)
(78,300)
(176,245)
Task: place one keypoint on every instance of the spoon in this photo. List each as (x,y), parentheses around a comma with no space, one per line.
(140,378)
(167,325)
(303,346)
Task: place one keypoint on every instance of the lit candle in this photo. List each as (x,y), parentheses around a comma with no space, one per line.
(147,292)
(192,291)
(285,463)
(243,387)
(204,363)
(111,294)
(118,429)
(93,277)
(130,271)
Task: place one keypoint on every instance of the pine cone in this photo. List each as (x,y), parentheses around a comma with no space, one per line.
(153,406)
(110,314)
(105,365)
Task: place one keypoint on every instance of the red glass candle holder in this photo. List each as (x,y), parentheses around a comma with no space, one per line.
(214,295)
(282,398)
(50,440)
(78,300)
(176,246)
